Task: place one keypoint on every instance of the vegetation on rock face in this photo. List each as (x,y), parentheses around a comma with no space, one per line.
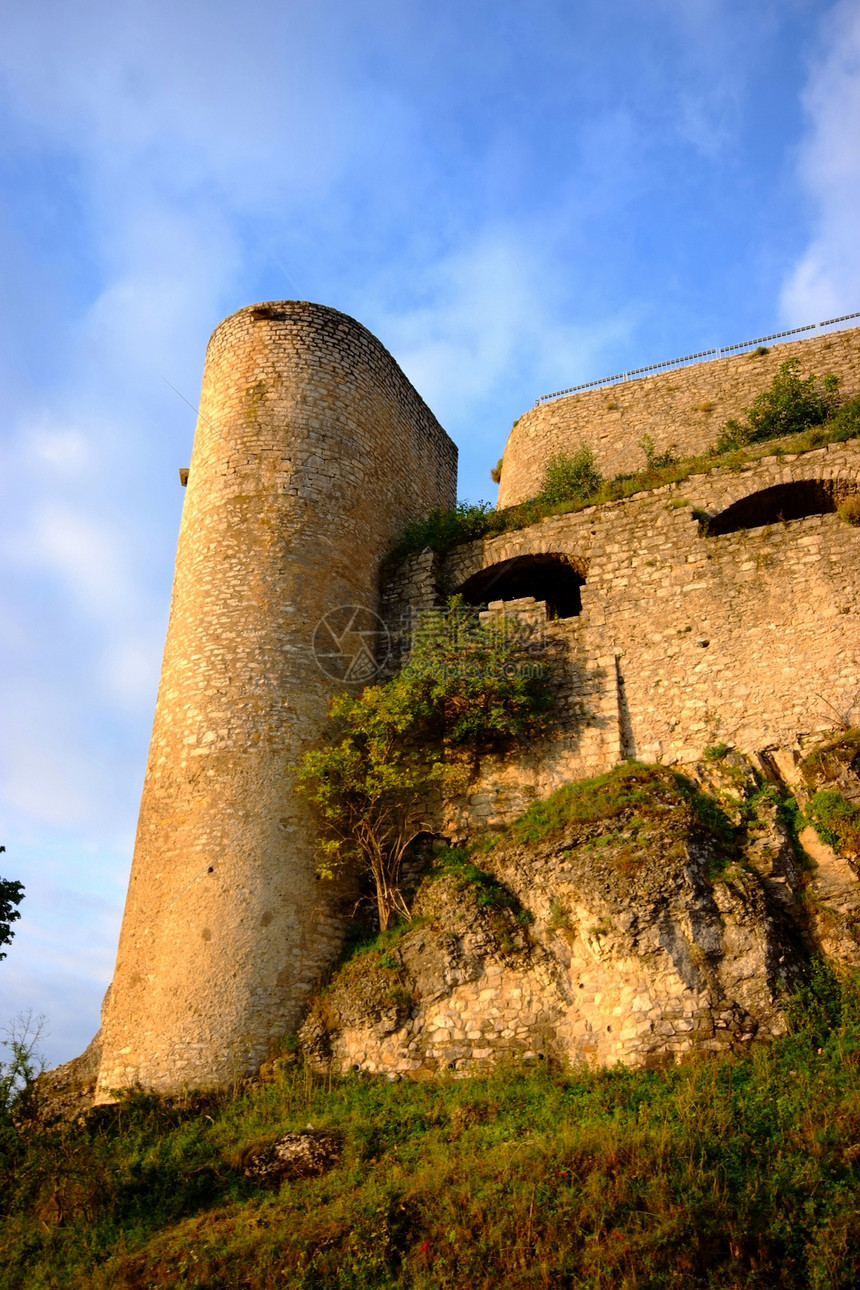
(831,773)
(836,820)
(738,1173)
(849,511)
(630,787)
(466,685)
(655,460)
(830,760)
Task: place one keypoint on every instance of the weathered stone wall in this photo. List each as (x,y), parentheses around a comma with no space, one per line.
(683,640)
(684,407)
(312,451)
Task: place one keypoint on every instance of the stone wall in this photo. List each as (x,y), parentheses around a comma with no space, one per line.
(684,407)
(312,451)
(684,640)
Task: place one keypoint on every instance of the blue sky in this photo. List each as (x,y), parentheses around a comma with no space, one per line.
(513,196)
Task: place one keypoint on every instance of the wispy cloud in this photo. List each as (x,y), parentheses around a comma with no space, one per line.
(826,280)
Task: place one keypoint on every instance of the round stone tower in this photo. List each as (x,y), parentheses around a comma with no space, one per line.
(312,451)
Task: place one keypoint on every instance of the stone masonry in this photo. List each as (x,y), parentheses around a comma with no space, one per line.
(684,407)
(639,945)
(312,451)
(751,637)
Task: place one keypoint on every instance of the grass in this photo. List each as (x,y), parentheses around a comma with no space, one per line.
(836,820)
(829,759)
(489,892)
(444,529)
(631,789)
(727,1173)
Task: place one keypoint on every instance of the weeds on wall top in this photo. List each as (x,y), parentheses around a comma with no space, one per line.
(792,404)
(795,415)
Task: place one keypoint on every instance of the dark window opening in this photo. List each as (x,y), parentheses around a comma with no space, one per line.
(779,504)
(553,578)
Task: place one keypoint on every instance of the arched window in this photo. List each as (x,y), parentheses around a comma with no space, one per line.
(782,502)
(554,577)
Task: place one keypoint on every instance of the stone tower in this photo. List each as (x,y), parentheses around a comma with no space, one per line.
(312,451)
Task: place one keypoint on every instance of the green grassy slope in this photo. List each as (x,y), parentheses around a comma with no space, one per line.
(729,1173)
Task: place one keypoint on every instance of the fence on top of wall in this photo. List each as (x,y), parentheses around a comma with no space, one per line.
(722,351)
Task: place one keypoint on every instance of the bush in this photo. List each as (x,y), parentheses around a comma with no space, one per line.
(849,511)
(845,422)
(11,894)
(835,820)
(442,529)
(654,460)
(792,405)
(570,476)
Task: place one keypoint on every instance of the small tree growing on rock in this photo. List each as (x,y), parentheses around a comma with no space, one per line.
(465,686)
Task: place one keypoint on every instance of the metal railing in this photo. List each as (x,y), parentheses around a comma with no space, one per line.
(720,352)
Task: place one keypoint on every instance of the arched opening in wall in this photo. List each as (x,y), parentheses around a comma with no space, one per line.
(553,577)
(782,502)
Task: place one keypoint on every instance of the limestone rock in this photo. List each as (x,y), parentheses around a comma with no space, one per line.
(294,1155)
(634,939)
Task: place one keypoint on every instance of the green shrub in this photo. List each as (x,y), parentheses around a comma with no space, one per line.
(849,511)
(11,895)
(465,685)
(442,529)
(792,404)
(815,1010)
(845,421)
(570,476)
(835,820)
(657,460)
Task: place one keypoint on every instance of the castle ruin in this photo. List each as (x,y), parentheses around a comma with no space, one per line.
(312,452)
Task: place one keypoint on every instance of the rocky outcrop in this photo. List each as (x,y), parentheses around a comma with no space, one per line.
(293,1155)
(833,890)
(623,920)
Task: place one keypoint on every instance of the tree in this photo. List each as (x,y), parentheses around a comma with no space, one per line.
(466,685)
(11,894)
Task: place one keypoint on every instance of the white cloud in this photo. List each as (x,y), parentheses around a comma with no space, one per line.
(826,281)
(86,554)
(492,315)
(62,447)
